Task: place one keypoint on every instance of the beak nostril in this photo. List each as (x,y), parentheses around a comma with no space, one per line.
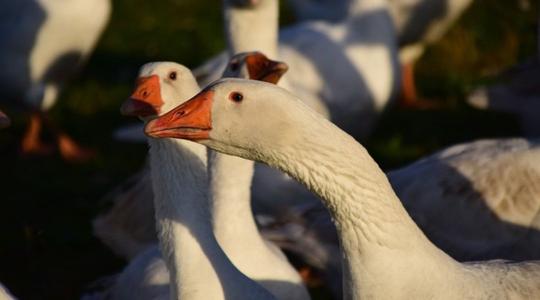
(145,93)
(180,113)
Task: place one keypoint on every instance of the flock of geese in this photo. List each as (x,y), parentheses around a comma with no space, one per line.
(297,101)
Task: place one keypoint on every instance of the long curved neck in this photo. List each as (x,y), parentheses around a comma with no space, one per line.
(252,29)
(379,240)
(198,267)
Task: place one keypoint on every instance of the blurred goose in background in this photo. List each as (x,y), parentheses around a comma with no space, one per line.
(346,71)
(418,24)
(45,43)
(4,120)
(384,254)
(492,187)
(260,260)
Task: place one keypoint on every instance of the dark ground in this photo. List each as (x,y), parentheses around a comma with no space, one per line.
(47,250)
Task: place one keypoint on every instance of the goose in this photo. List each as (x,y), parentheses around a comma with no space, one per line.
(199,268)
(278,277)
(418,24)
(384,254)
(44,43)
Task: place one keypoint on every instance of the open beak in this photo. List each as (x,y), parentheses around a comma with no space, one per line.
(145,100)
(263,69)
(4,120)
(191,120)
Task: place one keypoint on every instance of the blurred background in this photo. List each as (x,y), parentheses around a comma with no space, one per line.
(47,250)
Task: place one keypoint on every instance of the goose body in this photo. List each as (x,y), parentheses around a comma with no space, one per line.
(45,43)
(129,227)
(384,254)
(38,53)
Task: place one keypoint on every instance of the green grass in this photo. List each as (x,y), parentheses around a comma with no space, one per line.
(46,247)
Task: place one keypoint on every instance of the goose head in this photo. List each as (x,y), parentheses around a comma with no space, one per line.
(160,87)
(236,116)
(4,120)
(255,65)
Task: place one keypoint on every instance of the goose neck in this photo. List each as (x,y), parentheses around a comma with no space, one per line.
(252,29)
(199,269)
(376,234)
(181,209)
(230,193)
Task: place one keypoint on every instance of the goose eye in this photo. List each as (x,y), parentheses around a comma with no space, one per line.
(234,65)
(172,75)
(236,97)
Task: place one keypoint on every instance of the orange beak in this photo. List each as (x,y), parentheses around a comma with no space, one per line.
(145,100)
(190,121)
(4,120)
(263,69)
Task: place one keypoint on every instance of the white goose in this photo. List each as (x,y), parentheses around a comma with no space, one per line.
(44,43)
(418,23)
(258,260)
(385,255)
(199,269)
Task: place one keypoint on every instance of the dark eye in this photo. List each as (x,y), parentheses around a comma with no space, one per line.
(234,65)
(172,75)
(236,97)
